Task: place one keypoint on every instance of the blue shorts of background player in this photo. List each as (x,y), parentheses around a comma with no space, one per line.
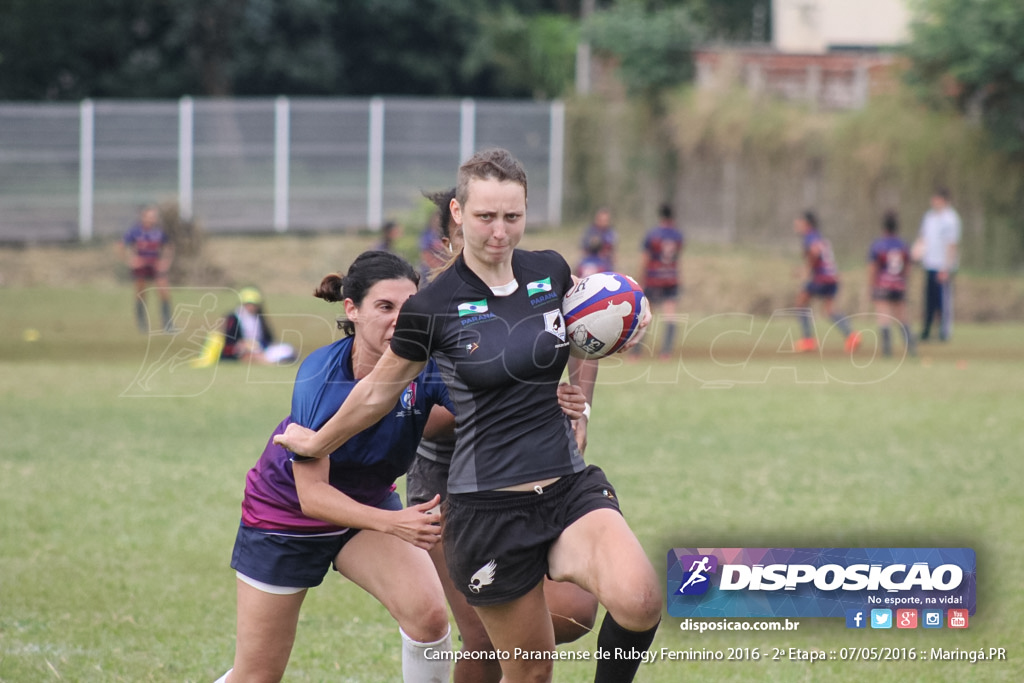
(821,290)
(657,295)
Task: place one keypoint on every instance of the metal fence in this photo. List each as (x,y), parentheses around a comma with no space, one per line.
(81,171)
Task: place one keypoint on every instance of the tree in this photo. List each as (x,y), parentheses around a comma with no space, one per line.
(735,21)
(652,48)
(971,53)
(524,55)
(404,47)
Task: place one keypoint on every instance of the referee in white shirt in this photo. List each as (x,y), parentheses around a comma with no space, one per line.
(939,247)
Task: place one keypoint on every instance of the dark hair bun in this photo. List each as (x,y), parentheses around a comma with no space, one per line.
(330,288)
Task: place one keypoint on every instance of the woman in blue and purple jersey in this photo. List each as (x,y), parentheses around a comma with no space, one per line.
(663,248)
(822,283)
(598,245)
(301,517)
(148,251)
(888,263)
(434,250)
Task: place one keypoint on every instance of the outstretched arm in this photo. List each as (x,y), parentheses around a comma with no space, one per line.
(367,403)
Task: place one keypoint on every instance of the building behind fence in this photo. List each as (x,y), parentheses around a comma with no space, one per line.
(81,171)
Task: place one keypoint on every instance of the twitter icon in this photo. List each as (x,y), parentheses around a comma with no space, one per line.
(881,618)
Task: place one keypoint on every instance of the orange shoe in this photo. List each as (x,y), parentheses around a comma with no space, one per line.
(807,344)
(852,342)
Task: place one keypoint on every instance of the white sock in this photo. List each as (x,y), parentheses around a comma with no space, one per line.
(426,662)
(224,678)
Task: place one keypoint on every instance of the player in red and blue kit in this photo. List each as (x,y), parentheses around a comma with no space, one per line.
(822,283)
(888,263)
(301,517)
(149,254)
(663,247)
(598,245)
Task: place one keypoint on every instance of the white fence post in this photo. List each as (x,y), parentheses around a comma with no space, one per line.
(467,129)
(186,152)
(86,169)
(556,162)
(375,191)
(282,134)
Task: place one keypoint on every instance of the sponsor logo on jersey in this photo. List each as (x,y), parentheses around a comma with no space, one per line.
(409,396)
(407,402)
(483,576)
(555,324)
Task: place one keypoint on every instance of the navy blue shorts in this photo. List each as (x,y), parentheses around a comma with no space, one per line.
(822,290)
(893,296)
(658,294)
(147,271)
(291,558)
(497,542)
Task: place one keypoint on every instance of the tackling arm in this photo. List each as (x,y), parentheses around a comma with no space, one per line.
(322,501)
(367,403)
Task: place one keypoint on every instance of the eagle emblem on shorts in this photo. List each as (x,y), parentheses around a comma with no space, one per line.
(483,576)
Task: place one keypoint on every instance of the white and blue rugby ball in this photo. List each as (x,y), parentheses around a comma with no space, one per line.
(602,314)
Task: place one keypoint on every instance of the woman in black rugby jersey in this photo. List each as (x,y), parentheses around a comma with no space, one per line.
(522,504)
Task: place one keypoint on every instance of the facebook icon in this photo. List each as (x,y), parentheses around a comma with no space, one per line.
(856,618)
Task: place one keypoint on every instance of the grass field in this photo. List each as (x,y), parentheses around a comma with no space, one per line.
(121,474)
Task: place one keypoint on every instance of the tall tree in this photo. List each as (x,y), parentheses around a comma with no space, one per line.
(970,52)
(68,49)
(524,55)
(411,47)
(652,48)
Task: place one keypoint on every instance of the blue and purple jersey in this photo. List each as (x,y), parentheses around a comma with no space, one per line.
(147,243)
(662,248)
(598,246)
(364,467)
(820,259)
(891,257)
(591,265)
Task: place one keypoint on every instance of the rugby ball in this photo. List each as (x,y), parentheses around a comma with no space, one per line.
(602,314)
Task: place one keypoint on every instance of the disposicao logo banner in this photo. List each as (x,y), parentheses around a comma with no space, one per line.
(817,582)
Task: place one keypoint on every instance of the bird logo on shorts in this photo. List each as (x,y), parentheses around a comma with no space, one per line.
(483,576)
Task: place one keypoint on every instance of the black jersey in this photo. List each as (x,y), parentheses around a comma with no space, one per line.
(502,358)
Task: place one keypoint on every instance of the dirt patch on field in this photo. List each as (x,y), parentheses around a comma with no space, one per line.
(716,279)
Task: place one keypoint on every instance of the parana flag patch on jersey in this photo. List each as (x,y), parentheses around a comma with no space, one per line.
(473,308)
(538,287)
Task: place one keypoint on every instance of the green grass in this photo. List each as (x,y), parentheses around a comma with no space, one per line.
(121,476)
